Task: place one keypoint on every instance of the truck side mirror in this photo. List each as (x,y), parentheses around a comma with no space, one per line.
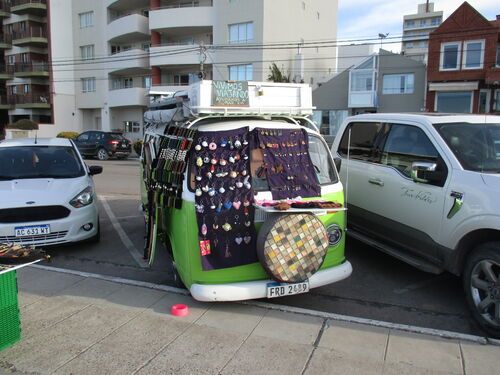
(423,172)
(95,169)
(338,163)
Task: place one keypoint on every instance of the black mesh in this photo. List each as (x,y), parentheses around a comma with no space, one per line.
(29,214)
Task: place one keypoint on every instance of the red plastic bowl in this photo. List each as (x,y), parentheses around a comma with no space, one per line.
(180,310)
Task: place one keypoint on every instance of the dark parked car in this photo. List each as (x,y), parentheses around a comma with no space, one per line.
(103,144)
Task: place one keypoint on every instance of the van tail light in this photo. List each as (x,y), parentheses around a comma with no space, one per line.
(113,142)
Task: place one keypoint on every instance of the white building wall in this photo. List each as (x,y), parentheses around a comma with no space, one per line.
(65,114)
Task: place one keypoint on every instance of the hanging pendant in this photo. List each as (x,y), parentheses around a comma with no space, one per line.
(237,157)
(237,144)
(232,159)
(206,160)
(204,229)
(233,174)
(222,190)
(227,227)
(245,142)
(243,172)
(205,188)
(227,205)
(248,223)
(239,184)
(223,162)
(204,144)
(200,208)
(223,144)
(227,253)
(212,168)
(212,146)
(237,205)
(199,161)
(197,147)
(246,203)
(198,192)
(231,187)
(247,239)
(238,240)
(219,208)
(215,225)
(198,178)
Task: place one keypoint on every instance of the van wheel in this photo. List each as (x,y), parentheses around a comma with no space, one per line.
(102,154)
(481,279)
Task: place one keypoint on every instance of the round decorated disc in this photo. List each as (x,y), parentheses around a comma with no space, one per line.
(292,247)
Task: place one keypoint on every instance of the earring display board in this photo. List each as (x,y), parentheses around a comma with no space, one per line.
(224,199)
(287,163)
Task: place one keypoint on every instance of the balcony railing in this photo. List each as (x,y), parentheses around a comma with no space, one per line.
(32,32)
(187,4)
(4,6)
(14,3)
(28,67)
(22,99)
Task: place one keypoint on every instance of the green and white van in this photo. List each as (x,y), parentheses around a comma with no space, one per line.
(242,190)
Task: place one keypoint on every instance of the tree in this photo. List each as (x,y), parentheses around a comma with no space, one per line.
(277,75)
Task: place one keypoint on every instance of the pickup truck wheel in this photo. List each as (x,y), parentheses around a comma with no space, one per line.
(482,286)
(102,154)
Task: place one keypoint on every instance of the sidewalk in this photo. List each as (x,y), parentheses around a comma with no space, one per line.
(75,324)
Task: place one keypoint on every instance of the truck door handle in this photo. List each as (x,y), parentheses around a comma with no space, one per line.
(376,181)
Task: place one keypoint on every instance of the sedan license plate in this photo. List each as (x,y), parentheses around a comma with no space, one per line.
(32,230)
(279,290)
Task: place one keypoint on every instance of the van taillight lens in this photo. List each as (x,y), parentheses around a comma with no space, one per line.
(113,142)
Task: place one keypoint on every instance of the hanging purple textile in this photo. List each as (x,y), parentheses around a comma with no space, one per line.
(224,199)
(289,168)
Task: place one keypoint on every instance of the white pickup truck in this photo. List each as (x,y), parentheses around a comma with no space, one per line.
(426,189)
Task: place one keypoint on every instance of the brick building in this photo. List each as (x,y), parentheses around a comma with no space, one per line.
(463,71)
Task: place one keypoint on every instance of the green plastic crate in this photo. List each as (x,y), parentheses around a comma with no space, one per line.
(10,322)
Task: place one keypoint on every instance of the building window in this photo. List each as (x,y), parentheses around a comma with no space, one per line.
(423,22)
(361,81)
(484,101)
(11,59)
(87,52)
(398,83)
(115,49)
(435,21)
(473,54)
(131,126)
(25,58)
(88,84)
(128,83)
(116,83)
(22,26)
(410,23)
(146,46)
(241,72)
(26,89)
(241,33)
(409,45)
(181,79)
(454,101)
(450,56)
(86,19)
(146,82)
(497,100)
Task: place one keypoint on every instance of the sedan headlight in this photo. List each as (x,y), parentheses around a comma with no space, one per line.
(83,198)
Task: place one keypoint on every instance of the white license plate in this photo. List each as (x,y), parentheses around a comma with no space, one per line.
(32,230)
(279,290)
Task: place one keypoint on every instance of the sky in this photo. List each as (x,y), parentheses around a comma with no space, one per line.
(386,16)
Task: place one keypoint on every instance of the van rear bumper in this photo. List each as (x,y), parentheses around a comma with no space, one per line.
(258,289)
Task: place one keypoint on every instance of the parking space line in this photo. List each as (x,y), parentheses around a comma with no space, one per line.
(123,236)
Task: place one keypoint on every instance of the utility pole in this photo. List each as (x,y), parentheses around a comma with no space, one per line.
(202,58)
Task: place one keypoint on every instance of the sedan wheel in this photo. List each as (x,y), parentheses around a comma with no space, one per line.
(482,286)
(102,154)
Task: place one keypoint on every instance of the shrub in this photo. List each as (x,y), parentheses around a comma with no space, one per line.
(24,124)
(69,135)
(138,146)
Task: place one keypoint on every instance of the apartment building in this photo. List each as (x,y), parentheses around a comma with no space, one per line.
(416,30)
(106,55)
(463,72)
(24,71)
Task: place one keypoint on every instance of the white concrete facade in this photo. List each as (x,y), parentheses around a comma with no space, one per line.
(104,63)
(416,30)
